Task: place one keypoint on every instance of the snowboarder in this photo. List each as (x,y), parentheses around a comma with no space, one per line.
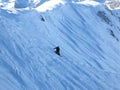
(57,50)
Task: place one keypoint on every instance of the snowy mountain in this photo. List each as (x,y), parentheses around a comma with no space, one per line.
(112,4)
(87,32)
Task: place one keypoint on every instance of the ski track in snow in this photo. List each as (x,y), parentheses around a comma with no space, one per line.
(89,55)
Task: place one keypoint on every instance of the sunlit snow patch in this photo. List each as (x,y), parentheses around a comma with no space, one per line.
(49,5)
(88,2)
(7,5)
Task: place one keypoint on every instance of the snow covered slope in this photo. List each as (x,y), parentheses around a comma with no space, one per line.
(89,39)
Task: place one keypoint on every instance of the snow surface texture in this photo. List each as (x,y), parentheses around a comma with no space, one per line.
(89,39)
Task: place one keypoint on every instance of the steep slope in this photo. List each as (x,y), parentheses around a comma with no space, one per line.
(87,35)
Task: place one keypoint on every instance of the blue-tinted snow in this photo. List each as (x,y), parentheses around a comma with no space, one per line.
(89,54)
(21,3)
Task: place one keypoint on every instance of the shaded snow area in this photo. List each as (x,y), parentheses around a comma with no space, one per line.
(89,41)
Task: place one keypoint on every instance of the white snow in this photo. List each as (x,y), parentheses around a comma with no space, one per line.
(49,5)
(88,2)
(7,5)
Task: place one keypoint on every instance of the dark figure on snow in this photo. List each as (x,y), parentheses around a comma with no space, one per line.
(42,19)
(57,50)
